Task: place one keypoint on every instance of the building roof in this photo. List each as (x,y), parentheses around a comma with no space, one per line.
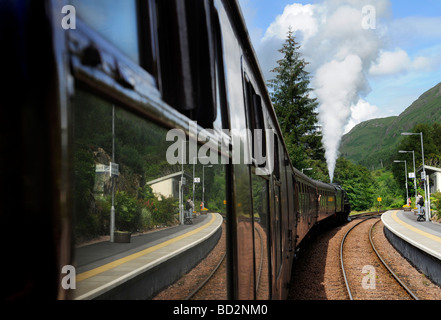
(429,169)
(170,176)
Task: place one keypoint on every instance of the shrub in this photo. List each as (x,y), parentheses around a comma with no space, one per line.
(127,212)
(435,201)
(165,210)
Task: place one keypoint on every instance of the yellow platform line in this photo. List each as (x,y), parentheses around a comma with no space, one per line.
(421,232)
(116,263)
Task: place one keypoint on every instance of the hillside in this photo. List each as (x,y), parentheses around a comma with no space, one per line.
(371,141)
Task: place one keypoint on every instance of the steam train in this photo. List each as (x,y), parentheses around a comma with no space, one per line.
(163,63)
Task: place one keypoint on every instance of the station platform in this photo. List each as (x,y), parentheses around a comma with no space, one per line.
(149,262)
(419,242)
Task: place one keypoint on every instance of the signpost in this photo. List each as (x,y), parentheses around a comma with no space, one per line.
(114,169)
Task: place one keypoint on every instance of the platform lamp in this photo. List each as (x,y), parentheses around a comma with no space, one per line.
(194,163)
(203,182)
(405,171)
(427,202)
(414,171)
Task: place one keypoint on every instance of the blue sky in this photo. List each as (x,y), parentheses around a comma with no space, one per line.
(402,61)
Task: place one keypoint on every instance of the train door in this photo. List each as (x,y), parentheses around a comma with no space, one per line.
(292,213)
(287,220)
(296,208)
(316,203)
(257,149)
(310,204)
(276,226)
(302,223)
(261,227)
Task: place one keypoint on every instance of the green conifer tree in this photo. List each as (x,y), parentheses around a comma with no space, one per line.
(295,109)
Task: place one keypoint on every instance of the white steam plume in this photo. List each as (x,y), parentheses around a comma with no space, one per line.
(341,51)
(338,84)
(340,78)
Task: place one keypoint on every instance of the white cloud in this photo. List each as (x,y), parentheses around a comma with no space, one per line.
(299,17)
(399,62)
(362,111)
(391,63)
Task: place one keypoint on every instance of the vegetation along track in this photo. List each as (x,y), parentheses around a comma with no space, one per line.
(366,274)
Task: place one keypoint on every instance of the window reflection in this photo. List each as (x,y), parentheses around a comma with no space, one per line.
(115,20)
(261,234)
(147,196)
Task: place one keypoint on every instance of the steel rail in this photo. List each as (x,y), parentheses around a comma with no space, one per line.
(387,266)
(341,255)
(191,295)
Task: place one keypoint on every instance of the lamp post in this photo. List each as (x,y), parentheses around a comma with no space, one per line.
(203,182)
(194,163)
(427,202)
(414,171)
(181,186)
(405,171)
(112,208)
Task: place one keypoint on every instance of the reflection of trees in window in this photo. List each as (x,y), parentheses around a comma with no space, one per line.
(140,149)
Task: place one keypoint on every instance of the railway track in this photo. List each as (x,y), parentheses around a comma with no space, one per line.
(366,274)
(201,291)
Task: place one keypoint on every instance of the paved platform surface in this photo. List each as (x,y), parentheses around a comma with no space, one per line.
(103,266)
(424,235)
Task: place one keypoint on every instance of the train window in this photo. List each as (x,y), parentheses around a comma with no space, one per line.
(187,48)
(114,20)
(253,104)
(144,191)
(220,121)
(261,236)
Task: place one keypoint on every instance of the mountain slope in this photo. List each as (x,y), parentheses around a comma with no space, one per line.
(371,141)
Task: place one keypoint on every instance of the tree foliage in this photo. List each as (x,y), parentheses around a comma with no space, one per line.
(295,109)
(432,154)
(358,183)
